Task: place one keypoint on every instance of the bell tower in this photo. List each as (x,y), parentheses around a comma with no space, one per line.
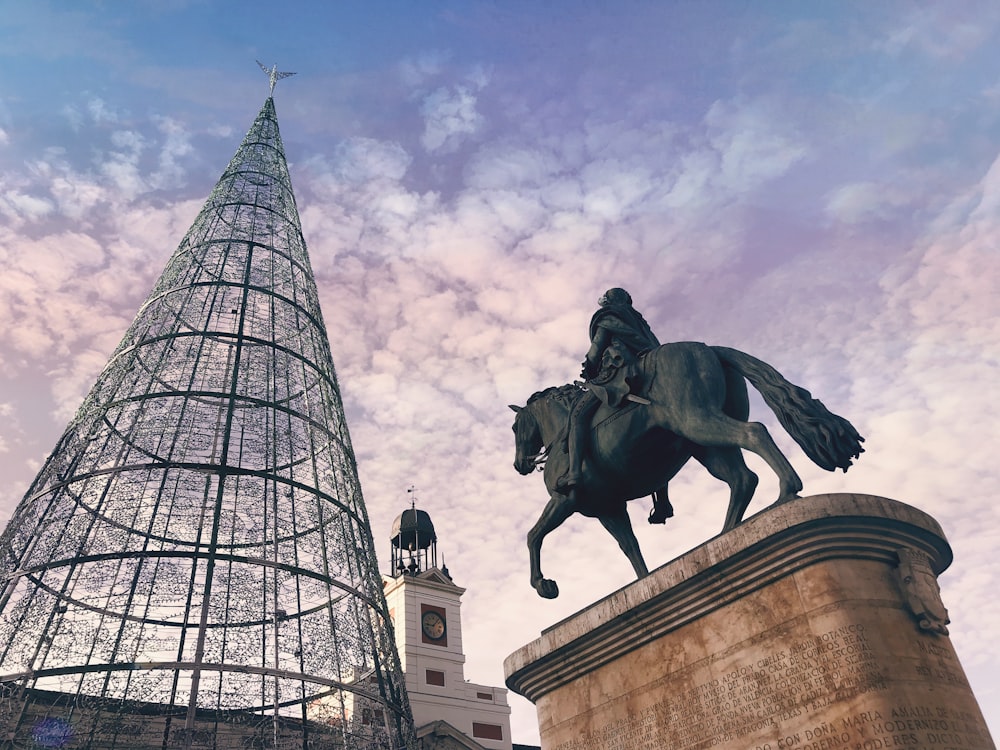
(425,607)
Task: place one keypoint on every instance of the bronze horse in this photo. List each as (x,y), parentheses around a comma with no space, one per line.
(693,404)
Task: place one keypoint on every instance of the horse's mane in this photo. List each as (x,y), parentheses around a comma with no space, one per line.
(567,393)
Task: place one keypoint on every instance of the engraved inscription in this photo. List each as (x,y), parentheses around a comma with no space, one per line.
(939,664)
(761,699)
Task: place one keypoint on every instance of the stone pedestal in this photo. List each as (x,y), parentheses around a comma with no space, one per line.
(814,625)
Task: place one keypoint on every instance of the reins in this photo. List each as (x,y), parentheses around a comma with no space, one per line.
(539,459)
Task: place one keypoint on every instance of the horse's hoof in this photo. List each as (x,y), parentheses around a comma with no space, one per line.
(547,588)
(658,518)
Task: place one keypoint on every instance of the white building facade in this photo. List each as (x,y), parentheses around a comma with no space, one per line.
(425,607)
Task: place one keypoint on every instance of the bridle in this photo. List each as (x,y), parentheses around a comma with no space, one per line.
(538,459)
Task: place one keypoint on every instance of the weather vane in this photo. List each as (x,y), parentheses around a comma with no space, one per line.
(274,74)
(413,500)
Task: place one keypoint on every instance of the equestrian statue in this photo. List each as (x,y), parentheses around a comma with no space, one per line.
(642,412)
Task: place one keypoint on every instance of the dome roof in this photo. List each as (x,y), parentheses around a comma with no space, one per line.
(413,530)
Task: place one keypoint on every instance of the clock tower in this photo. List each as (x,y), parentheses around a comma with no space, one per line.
(425,607)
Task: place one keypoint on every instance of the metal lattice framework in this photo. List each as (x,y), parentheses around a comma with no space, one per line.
(193,566)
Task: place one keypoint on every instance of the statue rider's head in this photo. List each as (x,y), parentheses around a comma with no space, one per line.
(616,296)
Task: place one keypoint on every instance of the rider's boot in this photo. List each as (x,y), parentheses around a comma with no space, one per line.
(579,424)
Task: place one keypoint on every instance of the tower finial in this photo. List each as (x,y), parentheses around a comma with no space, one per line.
(274,74)
(413,500)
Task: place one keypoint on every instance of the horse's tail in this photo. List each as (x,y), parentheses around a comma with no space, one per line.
(829,440)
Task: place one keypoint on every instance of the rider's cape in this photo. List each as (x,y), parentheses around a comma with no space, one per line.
(627,325)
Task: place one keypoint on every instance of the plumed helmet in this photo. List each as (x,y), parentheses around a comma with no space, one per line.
(616,296)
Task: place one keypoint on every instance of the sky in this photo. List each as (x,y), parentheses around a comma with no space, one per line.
(817,184)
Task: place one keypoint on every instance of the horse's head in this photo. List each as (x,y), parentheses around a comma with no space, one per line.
(527,440)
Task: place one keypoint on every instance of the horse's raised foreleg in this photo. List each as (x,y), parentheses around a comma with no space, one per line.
(620,527)
(728,465)
(557,510)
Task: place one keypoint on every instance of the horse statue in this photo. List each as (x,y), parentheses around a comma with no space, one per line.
(692,403)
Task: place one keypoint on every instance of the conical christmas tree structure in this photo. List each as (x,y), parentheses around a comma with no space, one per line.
(193,566)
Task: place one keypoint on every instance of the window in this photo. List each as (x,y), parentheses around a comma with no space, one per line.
(435,677)
(487,731)
(485,696)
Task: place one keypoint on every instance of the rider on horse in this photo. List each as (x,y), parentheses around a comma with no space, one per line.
(616,319)
(619,335)
(689,400)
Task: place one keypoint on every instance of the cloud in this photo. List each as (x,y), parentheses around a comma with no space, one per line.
(121,167)
(100,113)
(508,166)
(942,34)
(416,71)
(8,417)
(76,195)
(450,116)
(865,201)
(361,159)
(67,295)
(18,206)
(753,144)
(170,172)
(73,117)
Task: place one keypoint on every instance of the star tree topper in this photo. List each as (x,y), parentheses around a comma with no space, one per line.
(274,74)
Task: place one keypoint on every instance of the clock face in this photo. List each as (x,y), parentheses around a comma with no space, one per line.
(433,625)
